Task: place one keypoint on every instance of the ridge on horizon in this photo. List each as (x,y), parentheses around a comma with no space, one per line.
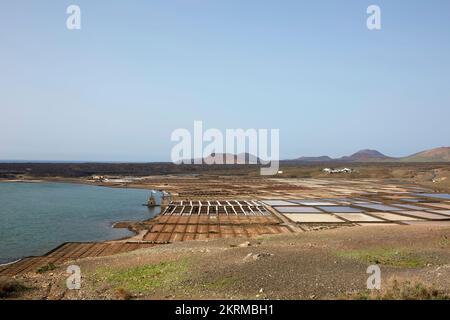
(439,154)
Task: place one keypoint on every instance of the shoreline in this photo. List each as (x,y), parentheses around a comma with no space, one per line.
(75,181)
(12,262)
(120,224)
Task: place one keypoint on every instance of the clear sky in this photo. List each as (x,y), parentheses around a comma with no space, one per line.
(116,89)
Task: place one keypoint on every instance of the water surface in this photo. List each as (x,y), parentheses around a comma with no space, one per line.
(36,217)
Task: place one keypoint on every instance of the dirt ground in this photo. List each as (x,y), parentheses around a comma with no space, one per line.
(326,264)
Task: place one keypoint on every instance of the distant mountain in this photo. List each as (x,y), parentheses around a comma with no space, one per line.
(360,156)
(366,155)
(314,159)
(434,155)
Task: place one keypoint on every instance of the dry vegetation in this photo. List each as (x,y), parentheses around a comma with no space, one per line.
(327,264)
(403,290)
(11,288)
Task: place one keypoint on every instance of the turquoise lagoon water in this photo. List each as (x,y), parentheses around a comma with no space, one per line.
(37,217)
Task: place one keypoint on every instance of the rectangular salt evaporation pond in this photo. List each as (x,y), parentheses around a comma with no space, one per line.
(408,206)
(362,202)
(438,205)
(317,202)
(340,209)
(297,209)
(415,200)
(314,218)
(274,203)
(425,215)
(358,217)
(443,196)
(444,212)
(379,207)
(393,216)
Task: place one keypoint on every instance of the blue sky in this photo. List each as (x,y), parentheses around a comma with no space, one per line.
(116,89)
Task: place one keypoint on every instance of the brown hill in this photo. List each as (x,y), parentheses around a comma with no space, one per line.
(314,159)
(365,156)
(434,155)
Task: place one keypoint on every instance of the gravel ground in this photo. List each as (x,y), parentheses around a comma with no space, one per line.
(325,264)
